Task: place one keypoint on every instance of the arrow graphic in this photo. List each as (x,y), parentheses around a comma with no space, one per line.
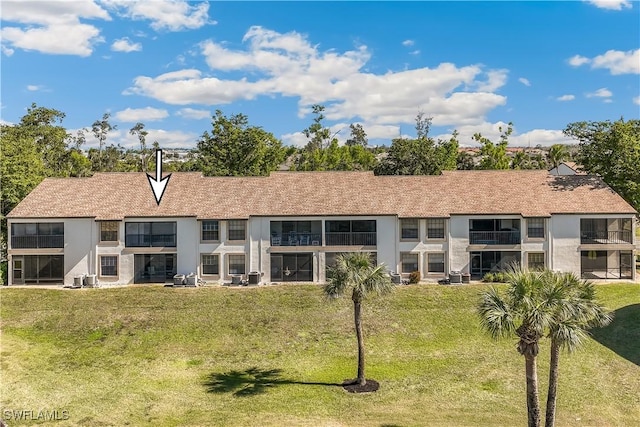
(158,184)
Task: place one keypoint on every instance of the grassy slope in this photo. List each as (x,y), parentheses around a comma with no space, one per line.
(158,356)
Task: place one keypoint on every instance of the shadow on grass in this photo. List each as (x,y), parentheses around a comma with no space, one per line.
(623,334)
(251,381)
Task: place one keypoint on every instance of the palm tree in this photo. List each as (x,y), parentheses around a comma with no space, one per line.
(525,310)
(579,312)
(354,272)
(557,154)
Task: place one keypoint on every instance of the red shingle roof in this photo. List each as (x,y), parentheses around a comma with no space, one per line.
(120,195)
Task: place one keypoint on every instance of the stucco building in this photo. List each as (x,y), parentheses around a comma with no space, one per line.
(289,226)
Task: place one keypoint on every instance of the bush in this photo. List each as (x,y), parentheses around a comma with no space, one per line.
(3,273)
(414,277)
(489,278)
(500,277)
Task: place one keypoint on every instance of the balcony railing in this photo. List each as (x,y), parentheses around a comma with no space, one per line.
(605,237)
(150,240)
(352,239)
(296,239)
(494,237)
(37,241)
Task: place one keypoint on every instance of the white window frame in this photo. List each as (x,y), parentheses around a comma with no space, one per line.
(544,260)
(444,228)
(417,263)
(229,256)
(215,228)
(236,222)
(117,266)
(202,264)
(444,260)
(544,228)
(410,221)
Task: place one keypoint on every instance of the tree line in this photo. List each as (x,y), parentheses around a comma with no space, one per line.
(40,146)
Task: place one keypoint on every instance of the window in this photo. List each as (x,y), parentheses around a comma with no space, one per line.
(108,266)
(37,235)
(236,264)
(351,233)
(435,263)
(150,234)
(535,228)
(210,231)
(409,228)
(43,268)
(109,231)
(210,264)
(535,260)
(409,262)
(435,228)
(237,229)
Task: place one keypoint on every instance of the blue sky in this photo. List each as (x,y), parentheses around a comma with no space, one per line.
(472,66)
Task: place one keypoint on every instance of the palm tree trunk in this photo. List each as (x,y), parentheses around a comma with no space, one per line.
(357,306)
(554,364)
(533,404)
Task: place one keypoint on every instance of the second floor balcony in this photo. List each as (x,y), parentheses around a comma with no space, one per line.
(351,239)
(37,241)
(606,237)
(508,237)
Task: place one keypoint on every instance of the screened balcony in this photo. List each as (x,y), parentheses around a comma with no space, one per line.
(494,232)
(37,235)
(351,233)
(605,231)
(296,233)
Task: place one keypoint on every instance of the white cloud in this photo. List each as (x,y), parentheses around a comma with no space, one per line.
(166,139)
(288,65)
(600,93)
(636,100)
(133,115)
(34,88)
(611,4)
(408,43)
(169,15)
(125,45)
(578,60)
(7,51)
(296,139)
(617,62)
(190,113)
(566,98)
(524,81)
(51,27)
(415,52)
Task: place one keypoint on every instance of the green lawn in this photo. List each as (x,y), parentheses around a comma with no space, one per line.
(272,355)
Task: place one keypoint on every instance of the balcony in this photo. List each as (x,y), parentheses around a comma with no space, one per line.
(606,237)
(150,240)
(296,239)
(494,237)
(37,241)
(351,239)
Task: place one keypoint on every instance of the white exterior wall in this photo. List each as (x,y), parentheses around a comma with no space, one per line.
(82,248)
(459,243)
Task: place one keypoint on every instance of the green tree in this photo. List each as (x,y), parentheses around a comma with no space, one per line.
(611,150)
(526,311)
(138,130)
(101,129)
(494,156)
(579,312)
(557,154)
(358,136)
(233,148)
(420,156)
(355,273)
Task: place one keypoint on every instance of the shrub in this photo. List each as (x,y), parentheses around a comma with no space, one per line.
(3,273)
(489,278)
(414,277)
(499,277)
